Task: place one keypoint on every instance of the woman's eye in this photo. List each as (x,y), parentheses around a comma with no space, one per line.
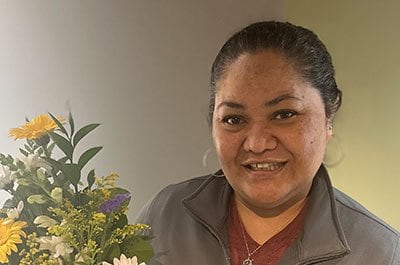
(284,114)
(232,120)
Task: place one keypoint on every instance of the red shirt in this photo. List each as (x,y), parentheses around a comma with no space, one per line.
(271,251)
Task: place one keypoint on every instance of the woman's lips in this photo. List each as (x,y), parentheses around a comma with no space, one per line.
(265,166)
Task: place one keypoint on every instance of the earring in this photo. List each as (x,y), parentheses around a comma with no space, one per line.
(334,153)
(214,162)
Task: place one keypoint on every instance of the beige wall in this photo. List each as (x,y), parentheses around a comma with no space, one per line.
(140,67)
(363,39)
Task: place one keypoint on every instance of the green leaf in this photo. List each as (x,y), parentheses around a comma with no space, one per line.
(112,252)
(90,178)
(28,148)
(41,141)
(121,222)
(72,173)
(118,190)
(71,123)
(12,167)
(135,246)
(51,147)
(83,132)
(20,165)
(68,194)
(26,191)
(63,160)
(40,151)
(55,164)
(87,155)
(81,199)
(25,153)
(59,124)
(11,203)
(10,159)
(63,144)
(14,258)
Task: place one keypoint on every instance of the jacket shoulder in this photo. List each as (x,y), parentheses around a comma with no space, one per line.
(365,231)
(350,206)
(179,191)
(169,199)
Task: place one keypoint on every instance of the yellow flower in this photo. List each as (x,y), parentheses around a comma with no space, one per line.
(99,217)
(10,236)
(35,128)
(106,193)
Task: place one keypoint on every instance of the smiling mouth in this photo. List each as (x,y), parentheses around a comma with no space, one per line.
(268,166)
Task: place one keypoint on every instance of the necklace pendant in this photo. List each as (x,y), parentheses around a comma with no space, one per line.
(248,261)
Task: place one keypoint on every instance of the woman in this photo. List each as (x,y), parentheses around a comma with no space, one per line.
(273,100)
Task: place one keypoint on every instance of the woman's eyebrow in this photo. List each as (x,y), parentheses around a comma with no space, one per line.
(270,103)
(230,104)
(280,98)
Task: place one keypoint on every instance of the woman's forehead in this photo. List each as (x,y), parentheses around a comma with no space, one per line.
(260,72)
(262,60)
(262,67)
(264,79)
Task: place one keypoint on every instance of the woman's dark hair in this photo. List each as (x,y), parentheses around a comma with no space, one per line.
(299,44)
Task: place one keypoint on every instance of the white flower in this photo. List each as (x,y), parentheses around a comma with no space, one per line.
(44,221)
(5,177)
(82,257)
(57,194)
(37,198)
(41,174)
(123,260)
(56,245)
(33,161)
(13,213)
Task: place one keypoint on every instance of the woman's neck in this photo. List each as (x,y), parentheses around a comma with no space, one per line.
(263,224)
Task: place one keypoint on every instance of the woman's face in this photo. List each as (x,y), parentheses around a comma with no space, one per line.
(269,130)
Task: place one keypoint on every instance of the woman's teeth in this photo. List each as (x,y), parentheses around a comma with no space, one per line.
(266,166)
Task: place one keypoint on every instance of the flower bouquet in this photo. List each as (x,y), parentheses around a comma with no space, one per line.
(52,217)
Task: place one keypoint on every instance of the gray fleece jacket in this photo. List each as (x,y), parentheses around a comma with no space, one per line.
(189,222)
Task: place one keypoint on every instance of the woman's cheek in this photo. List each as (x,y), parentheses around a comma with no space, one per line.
(227,145)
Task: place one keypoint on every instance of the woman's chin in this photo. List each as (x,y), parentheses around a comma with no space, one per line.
(272,198)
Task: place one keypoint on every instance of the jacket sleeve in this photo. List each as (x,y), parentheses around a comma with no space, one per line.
(396,256)
(143,216)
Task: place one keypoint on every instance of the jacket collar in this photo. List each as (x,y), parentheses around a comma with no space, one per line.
(322,238)
(209,204)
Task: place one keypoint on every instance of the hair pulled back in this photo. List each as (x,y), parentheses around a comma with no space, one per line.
(310,56)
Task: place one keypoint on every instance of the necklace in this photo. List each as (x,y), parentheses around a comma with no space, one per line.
(249,260)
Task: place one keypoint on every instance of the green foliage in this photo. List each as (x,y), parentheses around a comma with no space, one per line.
(63,144)
(25,153)
(91,179)
(73,172)
(83,132)
(139,247)
(59,124)
(87,155)
(71,123)
(113,251)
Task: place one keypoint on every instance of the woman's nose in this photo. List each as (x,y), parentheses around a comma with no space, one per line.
(259,139)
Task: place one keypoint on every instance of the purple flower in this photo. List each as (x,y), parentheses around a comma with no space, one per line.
(113,203)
